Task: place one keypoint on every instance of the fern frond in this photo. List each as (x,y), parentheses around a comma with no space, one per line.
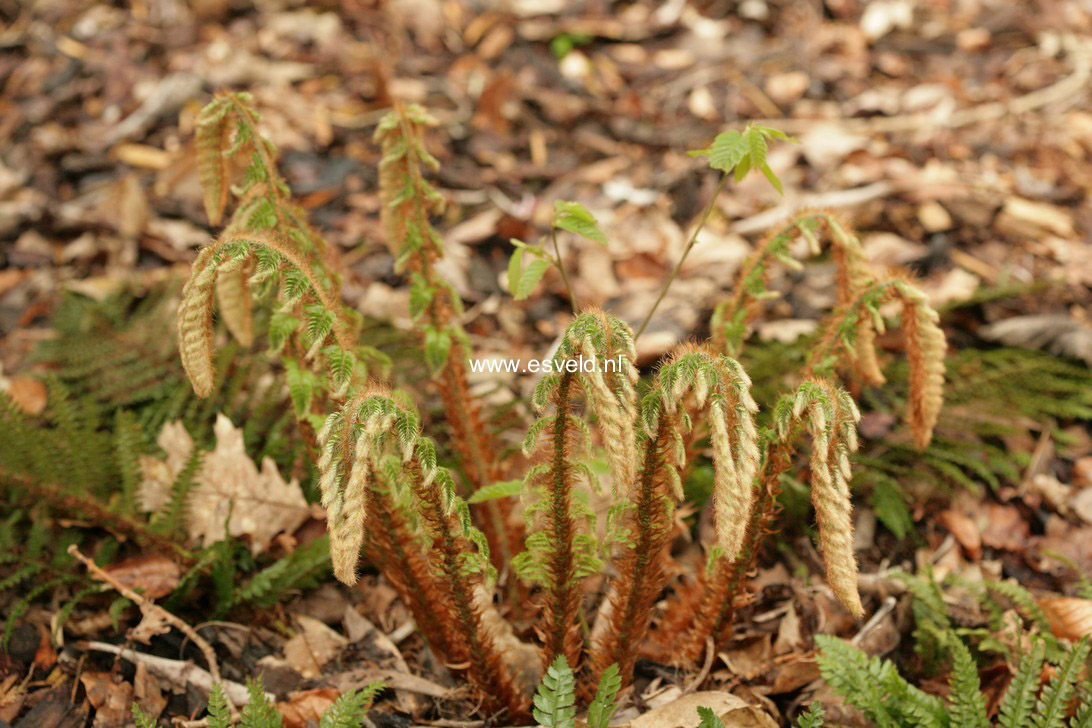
(875,686)
(1053,703)
(813,718)
(1016,707)
(351,708)
(555,700)
(604,704)
(142,719)
(259,712)
(214,131)
(708,719)
(966,703)
(218,709)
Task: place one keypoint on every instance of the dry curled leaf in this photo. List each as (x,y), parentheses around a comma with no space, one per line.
(1070,617)
(683,713)
(306,707)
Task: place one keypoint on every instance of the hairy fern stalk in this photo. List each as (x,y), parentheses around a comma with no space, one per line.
(386,494)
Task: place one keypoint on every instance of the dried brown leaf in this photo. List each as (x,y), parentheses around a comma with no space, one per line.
(153,575)
(306,707)
(312,647)
(1070,617)
(683,713)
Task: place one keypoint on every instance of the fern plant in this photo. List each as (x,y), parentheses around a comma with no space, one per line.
(350,710)
(1047,673)
(875,686)
(444,535)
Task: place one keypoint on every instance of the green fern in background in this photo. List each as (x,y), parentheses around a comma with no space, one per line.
(875,686)
(348,711)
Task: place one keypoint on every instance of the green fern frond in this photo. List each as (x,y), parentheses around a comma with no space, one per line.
(302,567)
(1053,703)
(259,712)
(143,720)
(708,718)
(555,700)
(965,700)
(875,686)
(603,705)
(1016,707)
(813,718)
(219,712)
(350,709)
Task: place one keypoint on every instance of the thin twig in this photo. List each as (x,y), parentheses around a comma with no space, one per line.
(148,607)
(710,651)
(175,672)
(678,266)
(561,268)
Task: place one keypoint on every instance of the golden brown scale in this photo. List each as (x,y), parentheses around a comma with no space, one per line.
(393,549)
(560,630)
(642,572)
(486,668)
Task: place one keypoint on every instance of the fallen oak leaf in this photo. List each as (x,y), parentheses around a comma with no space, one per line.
(229,488)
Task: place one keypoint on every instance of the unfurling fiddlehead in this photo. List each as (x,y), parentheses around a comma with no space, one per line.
(692,382)
(595,357)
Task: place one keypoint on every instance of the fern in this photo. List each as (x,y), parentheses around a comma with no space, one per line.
(554,702)
(259,712)
(300,568)
(709,719)
(1053,703)
(218,710)
(1019,701)
(813,718)
(142,719)
(350,709)
(966,703)
(875,686)
(604,704)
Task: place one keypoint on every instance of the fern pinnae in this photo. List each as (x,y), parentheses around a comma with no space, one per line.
(347,529)
(731,318)
(214,129)
(1016,707)
(233,300)
(195,323)
(965,700)
(1053,702)
(829,423)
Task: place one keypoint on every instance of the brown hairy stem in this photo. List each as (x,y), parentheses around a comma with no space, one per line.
(709,608)
(560,626)
(392,548)
(641,568)
(486,667)
(470,439)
